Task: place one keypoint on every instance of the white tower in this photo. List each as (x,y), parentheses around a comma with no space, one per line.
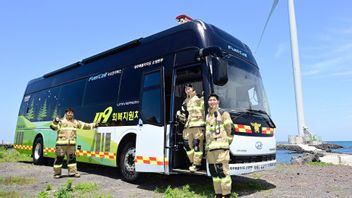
(296,69)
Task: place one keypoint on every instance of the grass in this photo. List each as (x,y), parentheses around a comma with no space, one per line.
(16,180)
(69,190)
(43,194)
(189,191)
(320,164)
(49,187)
(9,194)
(86,187)
(12,155)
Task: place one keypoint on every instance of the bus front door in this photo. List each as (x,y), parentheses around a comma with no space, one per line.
(151,131)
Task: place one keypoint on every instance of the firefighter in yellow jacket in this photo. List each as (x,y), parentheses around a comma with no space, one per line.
(219,136)
(66,141)
(193,114)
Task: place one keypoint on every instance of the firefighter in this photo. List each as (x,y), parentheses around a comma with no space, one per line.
(66,141)
(219,134)
(193,115)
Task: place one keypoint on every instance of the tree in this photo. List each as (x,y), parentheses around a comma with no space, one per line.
(30,113)
(42,112)
(54,113)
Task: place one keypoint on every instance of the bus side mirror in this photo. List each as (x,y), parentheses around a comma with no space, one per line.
(219,67)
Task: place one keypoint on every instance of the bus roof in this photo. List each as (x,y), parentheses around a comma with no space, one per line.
(195,34)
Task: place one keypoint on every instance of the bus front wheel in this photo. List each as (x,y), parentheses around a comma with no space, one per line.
(37,155)
(127,163)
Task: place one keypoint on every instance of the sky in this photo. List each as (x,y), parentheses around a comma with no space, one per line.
(37,37)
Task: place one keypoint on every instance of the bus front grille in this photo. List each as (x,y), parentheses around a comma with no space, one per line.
(252,158)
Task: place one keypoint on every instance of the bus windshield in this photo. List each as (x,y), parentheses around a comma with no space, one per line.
(244,90)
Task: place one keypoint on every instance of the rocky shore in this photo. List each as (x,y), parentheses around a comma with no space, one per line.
(293,147)
(316,153)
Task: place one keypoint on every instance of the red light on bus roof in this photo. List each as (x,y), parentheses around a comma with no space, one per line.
(183,18)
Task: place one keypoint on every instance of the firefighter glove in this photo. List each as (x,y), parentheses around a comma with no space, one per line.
(56,120)
(181,117)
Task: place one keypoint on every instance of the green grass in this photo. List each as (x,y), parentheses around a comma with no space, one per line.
(9,194)
(43,194)
(49,187)
(189,191)
(86,187)
(66,191)
(69,190)
(16,180)
(320,164)
(12,155)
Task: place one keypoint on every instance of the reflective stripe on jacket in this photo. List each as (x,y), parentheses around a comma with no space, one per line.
(218,130)
(67,130)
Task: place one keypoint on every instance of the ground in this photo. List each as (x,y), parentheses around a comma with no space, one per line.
(284,181)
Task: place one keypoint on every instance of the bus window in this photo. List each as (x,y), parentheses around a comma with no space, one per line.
(46,104)
(102,88)
(151,98)
(130,85)
(71,95)
(52,96)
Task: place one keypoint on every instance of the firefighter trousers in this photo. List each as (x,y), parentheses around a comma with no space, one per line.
(219,169)
(60,152)
(193,143)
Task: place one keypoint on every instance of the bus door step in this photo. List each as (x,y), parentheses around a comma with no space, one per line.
(185,171)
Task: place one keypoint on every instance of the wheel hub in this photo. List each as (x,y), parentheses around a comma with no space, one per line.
(129,159)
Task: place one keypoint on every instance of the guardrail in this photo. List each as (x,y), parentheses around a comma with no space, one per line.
(6,146)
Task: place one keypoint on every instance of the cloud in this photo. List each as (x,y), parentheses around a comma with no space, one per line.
(342,73)
(329,57)
(280,49)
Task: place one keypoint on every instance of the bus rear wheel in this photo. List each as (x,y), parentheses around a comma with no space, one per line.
(37,155)
(127,163)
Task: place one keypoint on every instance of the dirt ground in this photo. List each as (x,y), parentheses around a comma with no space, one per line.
(284,181)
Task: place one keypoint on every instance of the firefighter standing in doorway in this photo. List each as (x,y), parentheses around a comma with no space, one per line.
(66,141)
(193,115)
(219,134)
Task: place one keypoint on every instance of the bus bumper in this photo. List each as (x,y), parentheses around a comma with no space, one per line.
(239,169)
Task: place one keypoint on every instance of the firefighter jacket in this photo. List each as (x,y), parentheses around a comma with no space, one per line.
(196,113)
(219,130)
(67,130)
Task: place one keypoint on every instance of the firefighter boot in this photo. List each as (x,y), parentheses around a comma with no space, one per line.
(193,168)
(218,195)
(57,171)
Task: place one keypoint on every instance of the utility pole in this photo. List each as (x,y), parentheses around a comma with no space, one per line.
(296,69)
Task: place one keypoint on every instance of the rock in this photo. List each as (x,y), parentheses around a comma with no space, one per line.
(327,147)
(306,157)
(290,147)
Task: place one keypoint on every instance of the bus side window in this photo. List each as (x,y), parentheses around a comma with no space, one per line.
(71,95)
(102,90)
(130,85)
(151,98)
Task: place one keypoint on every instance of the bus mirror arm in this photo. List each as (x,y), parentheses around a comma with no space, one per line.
(218,66)
(214,51)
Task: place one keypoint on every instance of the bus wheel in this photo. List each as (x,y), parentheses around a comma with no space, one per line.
(127,164)
(38,157)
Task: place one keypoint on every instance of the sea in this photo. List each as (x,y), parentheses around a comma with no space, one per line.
(284,156)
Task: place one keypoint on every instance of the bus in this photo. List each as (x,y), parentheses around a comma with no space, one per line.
(134,91)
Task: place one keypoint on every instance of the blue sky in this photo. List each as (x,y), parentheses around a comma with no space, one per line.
(37,37)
